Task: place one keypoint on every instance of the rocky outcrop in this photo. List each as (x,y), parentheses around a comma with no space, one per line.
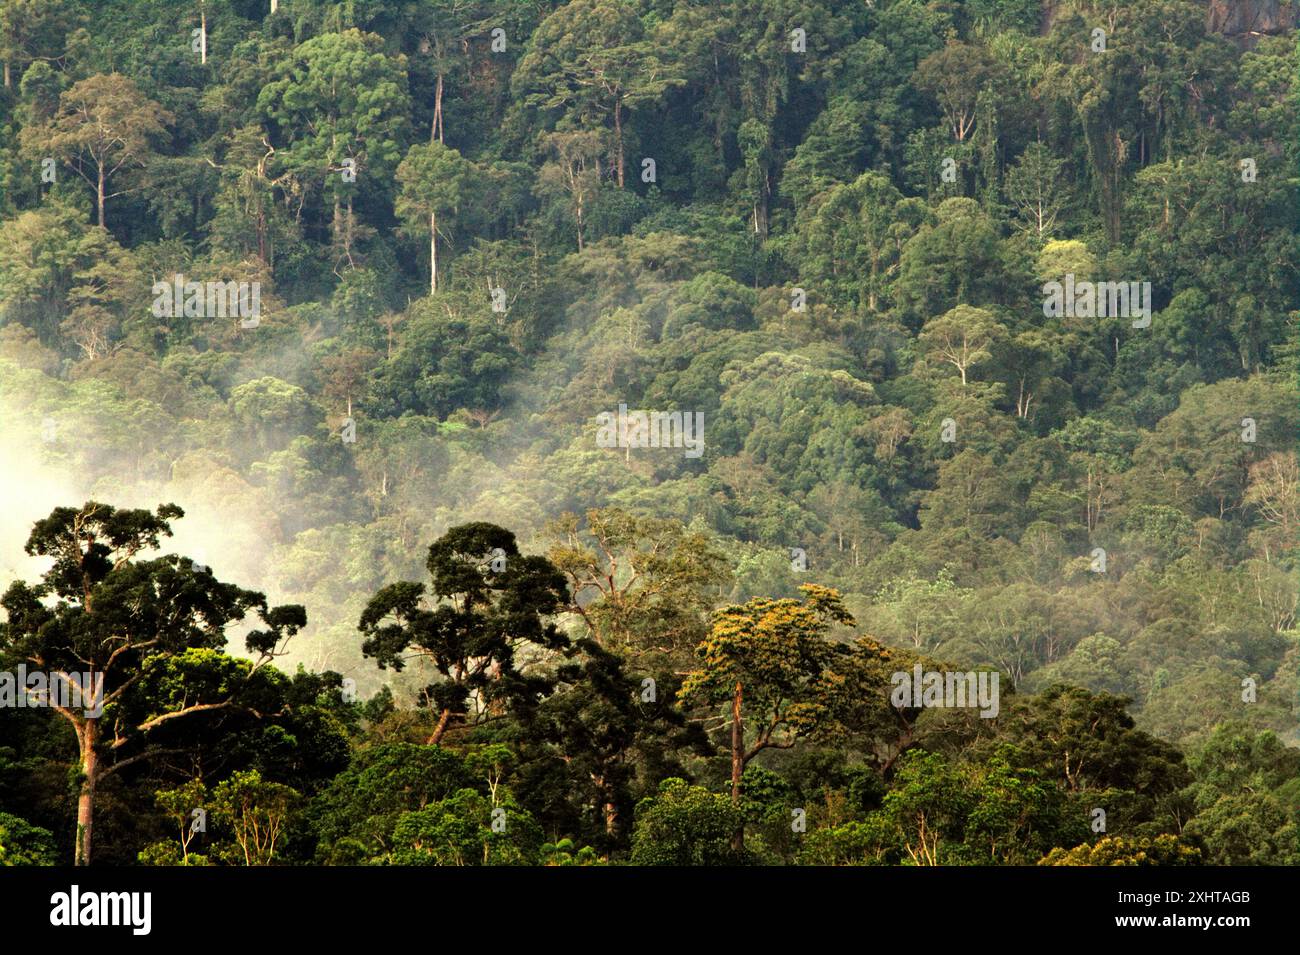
(1245,21)
(1248,20)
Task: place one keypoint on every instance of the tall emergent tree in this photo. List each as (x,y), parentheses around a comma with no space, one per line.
(103,125)
(340,106)
(433,180)
(592,58)
(768,658)
(444,27)
(140,639)
(490,603)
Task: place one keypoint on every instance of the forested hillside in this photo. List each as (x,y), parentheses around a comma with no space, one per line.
(463,432)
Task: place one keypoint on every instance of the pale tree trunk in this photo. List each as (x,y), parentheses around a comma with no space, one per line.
(347,234)
(86,798)
(618,132)
(579,216)
(433,253)
(1023,400)
(99,195)
(437,109)
(760,206)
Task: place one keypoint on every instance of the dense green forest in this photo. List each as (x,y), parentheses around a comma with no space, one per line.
(970,330)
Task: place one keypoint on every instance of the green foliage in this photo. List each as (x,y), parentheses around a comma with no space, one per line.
(685,825)
(1114,850)
(562,853)
(832,245)
(448,360)
(491,602)
(21,843)
(356,814)
(467,829)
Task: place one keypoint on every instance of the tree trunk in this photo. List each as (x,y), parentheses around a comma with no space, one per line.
(86,798)
(618,135)
(737,761)
(433,253)
(347,235)
(437,109)
(436,737)
(99,195)
(8,81)
(579,218)
(336,224)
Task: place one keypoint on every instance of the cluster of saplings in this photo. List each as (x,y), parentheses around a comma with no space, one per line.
(558,726)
